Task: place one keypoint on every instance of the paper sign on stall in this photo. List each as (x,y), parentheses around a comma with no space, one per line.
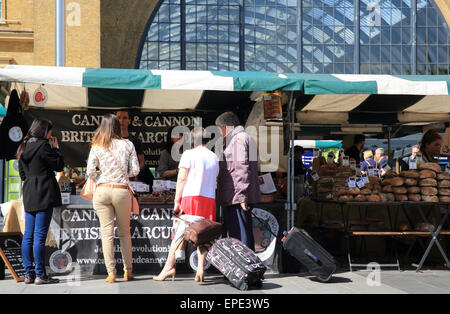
(266,184)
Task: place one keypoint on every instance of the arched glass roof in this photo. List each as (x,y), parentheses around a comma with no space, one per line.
(311,36)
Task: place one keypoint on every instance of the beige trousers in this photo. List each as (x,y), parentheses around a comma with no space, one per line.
(109,203)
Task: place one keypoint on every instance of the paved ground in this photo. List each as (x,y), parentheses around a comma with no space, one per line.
(391,282)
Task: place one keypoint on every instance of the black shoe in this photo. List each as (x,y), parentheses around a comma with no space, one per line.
(29,280)
(45,281)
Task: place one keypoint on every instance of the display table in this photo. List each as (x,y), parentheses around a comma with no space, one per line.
(408,208)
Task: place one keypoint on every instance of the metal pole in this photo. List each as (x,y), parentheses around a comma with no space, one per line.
(60,33)
(289,169)
(294,203)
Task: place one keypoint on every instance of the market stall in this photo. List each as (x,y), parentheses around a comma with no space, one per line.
(75,99)
(318,107)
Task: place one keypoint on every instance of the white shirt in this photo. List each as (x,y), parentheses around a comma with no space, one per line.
(203,167)
(125,154)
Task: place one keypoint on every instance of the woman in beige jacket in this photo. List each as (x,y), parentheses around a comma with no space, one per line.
(116,160)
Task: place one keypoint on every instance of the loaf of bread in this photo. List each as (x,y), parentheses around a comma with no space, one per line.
(443,176)
(429,166)
(410,182)
(444,184)
(397,181)
(354,191)
(365,191)
(430,198)
(387,189)
(401,197)
(444,192)
(413,190)
(360,198)
(342,192)
(414,174)
(376,188)
(374,198)
(373,179)
(316,164)
(444,199)
(428,191)
(425,174)
(390,174)
(399,190)
(386,182)
(428,182)
(414,197)
(387,197)
(345,198)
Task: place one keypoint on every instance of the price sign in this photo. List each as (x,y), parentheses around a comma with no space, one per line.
(345,161)
(360,182)
(371,171)
(412,164)
(386,168)
(315,176)
(365,178)
(351,183)
(65,198)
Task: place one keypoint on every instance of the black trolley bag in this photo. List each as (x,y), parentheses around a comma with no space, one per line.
(310,254)
(307,251)
(237,262)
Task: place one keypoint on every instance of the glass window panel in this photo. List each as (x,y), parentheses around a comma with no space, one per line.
(175,15)
(396,69)
(213,66)
(190,32)
(175,65)
(249,54)
(201,14)
(164,33)
(234,52)
(234,66)
(153,33)
(249,34)
(223,15)
(421,54)
(164,51)
(212,52)
(175,31)
(406,36)
(191,52)
(443,55)
(234,33)
(223,52)
(396,55)
(201,33)
(421,35)
(202,52)
(164,13)
(432,36)
(191,14)
(223,33)
(191,65)
(349,68)
(212,33)
(212,14)
(164,65)
(234,14)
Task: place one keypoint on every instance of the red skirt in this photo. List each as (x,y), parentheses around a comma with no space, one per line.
(199,206)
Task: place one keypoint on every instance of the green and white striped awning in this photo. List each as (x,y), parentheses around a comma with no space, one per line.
(327,98)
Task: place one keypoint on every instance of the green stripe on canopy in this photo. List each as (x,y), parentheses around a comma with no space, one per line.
(262,81)
(121,79)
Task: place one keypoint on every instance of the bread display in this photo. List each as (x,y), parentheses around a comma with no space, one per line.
(444,199)
(360,198)
(390,174)
(386,182)
(345,198)
(387,189)
(425,174)
(429,166)
(163,197)
(428,182)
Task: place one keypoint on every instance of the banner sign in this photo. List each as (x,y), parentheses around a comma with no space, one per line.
(78,234)
(75,129)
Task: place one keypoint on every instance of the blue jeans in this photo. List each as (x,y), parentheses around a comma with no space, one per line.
(33,242)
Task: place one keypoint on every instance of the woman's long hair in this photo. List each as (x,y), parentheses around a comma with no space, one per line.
(429,137)
(39,129)
(108,130)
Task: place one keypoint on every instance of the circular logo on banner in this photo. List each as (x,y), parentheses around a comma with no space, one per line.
(193,261)
(15,134)
(15,244)
(265,242)
(60,262)
(40,96)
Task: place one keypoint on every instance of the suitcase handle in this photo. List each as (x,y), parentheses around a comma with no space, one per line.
(312,256)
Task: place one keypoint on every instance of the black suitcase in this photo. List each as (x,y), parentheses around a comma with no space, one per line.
(310,254)
(237,262)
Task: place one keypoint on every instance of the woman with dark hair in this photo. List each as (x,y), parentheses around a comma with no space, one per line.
(430,146)
(38,157)
(167,166)
(195,194)
(116,160)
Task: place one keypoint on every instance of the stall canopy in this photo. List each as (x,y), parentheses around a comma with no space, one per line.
(337,99)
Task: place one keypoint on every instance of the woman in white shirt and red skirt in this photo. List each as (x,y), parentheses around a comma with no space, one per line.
(195,194)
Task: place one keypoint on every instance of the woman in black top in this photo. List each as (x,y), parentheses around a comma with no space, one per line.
(38,157)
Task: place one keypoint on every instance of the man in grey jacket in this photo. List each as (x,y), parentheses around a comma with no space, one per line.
(238,181)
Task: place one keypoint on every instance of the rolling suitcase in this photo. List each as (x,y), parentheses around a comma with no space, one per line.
(310,254)
(237,262)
